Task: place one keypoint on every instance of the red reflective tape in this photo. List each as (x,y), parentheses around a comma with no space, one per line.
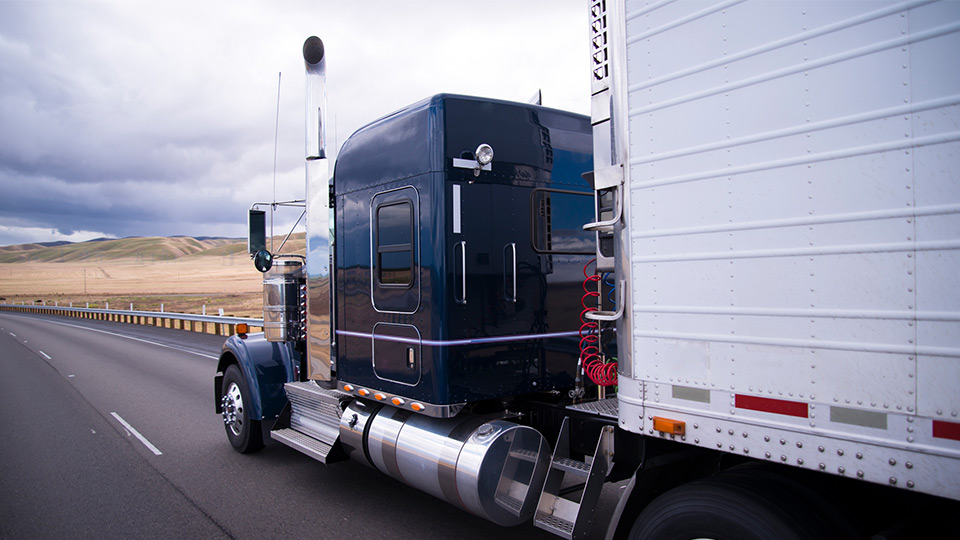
(776,406)
(946,430)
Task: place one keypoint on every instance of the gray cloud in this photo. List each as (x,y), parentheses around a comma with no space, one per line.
(120,118)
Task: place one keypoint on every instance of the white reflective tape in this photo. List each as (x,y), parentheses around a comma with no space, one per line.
(456,209)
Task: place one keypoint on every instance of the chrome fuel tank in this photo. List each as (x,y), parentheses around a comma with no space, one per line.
(492,468)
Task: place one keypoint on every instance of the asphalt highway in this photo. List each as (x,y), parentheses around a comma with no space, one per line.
(108,430)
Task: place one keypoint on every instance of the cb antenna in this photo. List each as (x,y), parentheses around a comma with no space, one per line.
(276,136)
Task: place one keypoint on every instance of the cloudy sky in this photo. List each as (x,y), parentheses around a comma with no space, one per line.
(134,118)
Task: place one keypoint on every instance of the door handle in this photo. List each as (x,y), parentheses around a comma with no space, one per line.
(463,272)
(512,249)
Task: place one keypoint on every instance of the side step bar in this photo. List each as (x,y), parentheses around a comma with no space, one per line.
(314,426)
(564,517)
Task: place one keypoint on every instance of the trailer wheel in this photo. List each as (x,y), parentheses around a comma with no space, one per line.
(722,510)
(244,433)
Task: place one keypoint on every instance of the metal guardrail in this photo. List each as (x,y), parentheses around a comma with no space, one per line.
(221,326)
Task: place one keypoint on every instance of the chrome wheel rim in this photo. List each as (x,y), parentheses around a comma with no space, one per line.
(233,409)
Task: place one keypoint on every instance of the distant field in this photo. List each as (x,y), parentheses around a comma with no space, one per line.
(183,274)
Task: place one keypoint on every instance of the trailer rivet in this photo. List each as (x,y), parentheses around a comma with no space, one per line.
(783,458)
(910,483)
(732,448)
(766,438)
(799,444)
(841,470)
(783,441)
(908,465)
(719,445)
(746,450)
(718,430)
(696,426)
(696,441)
(892,462)
(859,474)
(893,481)
(767,455)
(859,455)
(744,434)
(729,432)
(840,452)
(820,448)
(822,466)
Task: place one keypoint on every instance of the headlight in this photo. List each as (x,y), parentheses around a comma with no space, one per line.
(484,154)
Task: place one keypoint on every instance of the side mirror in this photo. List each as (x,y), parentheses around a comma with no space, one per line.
(263,260)
(256,231)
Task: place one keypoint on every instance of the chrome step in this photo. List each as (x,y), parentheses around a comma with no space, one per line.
(555,525)
(607,408)
(314,425)
(567,518)
(578,468)
(306,444)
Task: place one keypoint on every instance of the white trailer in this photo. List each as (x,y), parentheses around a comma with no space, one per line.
(785,225)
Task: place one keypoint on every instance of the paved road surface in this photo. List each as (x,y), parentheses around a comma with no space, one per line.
(69,467)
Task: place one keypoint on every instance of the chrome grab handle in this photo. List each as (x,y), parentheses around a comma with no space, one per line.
(463,278)
(513,247)
(610,315)
(607,225)
(607,178)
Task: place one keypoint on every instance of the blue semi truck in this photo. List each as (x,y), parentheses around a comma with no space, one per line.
(731,289)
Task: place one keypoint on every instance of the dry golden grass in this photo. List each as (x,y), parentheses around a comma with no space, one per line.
(218,278)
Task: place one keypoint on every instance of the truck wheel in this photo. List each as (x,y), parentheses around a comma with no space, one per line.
(719,509)
(244,433)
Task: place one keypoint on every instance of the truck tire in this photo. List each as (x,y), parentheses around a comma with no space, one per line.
(723,509)
(245,434)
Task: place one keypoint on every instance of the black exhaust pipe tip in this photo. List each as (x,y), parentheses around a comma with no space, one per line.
(313,50)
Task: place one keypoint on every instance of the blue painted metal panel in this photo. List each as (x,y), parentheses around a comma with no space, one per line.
(266,367)
(494,345)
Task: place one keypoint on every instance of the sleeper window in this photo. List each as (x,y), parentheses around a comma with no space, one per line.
(395,244)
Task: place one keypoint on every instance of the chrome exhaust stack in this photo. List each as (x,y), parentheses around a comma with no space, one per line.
(319,338)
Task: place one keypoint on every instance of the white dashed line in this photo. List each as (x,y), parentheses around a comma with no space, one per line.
(137,434)
(45,355)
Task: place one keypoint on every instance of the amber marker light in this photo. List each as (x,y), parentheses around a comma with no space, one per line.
(348,387)
(379,397)
(363,391)
(666,425)
(397,401)
(242,328)
(417,407)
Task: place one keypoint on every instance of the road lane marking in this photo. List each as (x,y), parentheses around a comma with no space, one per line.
(137,434)
(12,334)
(45,355)
(137,339)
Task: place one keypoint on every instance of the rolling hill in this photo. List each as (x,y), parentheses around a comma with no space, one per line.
(142,249)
